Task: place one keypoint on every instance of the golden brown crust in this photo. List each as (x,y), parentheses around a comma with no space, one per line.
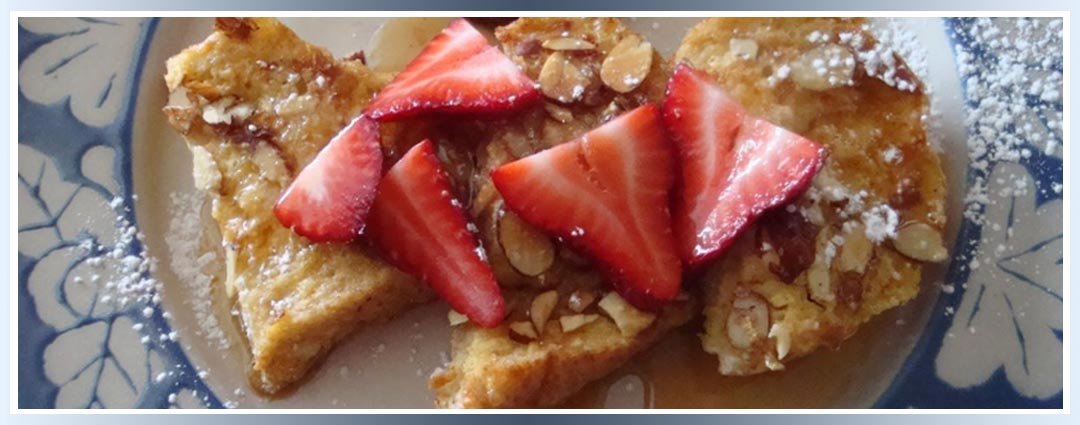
(491,370)
(262,103)
(858,123)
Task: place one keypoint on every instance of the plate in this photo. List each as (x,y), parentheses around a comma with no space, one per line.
(115,306)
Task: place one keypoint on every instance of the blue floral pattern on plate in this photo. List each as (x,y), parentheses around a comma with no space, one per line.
(995,341)
(76,93)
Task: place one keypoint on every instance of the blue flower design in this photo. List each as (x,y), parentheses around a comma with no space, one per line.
(85,60)
(77,347)
(1010,316)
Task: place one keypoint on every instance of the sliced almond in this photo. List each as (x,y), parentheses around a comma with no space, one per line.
(558,113)
(523,329)
(528,250)
(920,241)
(626,66)
(748,321)
(630,320)
(576,321)
(580,300)
(743,48)
(456,318)
(820,283)
(855,252)
(781,333)
(217,112)
(773,363)
(561,80)
(824,67)
(567,43)
(541,308)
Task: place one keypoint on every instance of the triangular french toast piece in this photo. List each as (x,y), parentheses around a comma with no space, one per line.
(566,327)
(257,103)
(855,243)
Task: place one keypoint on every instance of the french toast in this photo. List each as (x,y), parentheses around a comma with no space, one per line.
(854,244)
(534,359)
(258,103)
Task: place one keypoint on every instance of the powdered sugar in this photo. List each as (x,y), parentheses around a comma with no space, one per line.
(124,272)
(880,222)
(1012,96)
(185,231)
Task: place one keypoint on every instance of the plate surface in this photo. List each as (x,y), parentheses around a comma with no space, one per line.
(96,158)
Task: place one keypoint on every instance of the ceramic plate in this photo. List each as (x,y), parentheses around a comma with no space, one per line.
(115,307)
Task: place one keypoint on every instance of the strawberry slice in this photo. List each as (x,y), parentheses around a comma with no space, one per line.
(734,167)
(458,71)
(420,228)
(606,193)
(330,198)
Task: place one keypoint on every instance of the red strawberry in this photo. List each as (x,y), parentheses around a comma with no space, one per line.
(734,167)
(607,194)
(456,72)
(421,229)
(330,198)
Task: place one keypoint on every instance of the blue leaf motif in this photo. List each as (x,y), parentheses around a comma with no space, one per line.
(96,358)
(85,60)
(1010,315)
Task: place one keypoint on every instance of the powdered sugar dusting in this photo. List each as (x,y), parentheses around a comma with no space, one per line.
(124,272)
(184,241)
(1013,96)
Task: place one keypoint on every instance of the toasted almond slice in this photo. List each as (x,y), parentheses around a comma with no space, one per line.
(567,43)
(773,363)
(576,321)
(781,333)
(919,241)
(820,283)
(559,113)
(456,318)
(748,321)
(630,320)
(541,308)
(561,80)
(856,250)
(217,112)
(529,250)
(580,300)
(744,48)
(523,329)
(627,64)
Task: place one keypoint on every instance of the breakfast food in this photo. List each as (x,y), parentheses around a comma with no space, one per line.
(261,103)
(569,193)
(566,326)
(810,273)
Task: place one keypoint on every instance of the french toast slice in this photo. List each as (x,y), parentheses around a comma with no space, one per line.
(854,245)
(534,359)
(256,104)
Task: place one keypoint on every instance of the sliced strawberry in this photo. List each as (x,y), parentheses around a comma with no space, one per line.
(607,194)
(330,198)
(420,228)
(458,71)
(734,167)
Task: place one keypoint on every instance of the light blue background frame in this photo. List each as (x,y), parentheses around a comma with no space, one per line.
(552,5)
